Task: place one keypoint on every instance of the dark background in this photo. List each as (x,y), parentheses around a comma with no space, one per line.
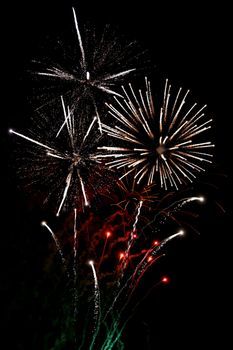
(190,44)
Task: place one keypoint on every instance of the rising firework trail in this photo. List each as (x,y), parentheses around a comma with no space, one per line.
(75,274)
(108,234)
(57,243)
(151,256)
(173,207)
(132,238)
(97,311)
(160,144)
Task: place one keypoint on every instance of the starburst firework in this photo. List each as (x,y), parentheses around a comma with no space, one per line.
(93,68)
(161,143)
(64,157)
(132,193)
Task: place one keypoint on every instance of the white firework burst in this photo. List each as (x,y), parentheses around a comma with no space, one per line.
(94,66)
(169,144)
(63,157)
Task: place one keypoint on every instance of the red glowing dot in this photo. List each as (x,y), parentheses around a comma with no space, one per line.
(134,236)
(149,258)
(108,234)
(121,256)
(165,279)
(156,243)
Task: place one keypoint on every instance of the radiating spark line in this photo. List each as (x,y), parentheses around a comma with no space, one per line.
(68,181)
(98,116)
(83,64)
(117,75)
(56,156)
(66,115)
(89,129)
(83,190)
(11,131)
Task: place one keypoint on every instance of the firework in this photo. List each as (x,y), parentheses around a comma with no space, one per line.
(63,156)
(163,143)
(147,148)
(132,193)
(108,315)
(95,66)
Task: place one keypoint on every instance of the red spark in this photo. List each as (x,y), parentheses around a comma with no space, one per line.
(121,256)
(165,279)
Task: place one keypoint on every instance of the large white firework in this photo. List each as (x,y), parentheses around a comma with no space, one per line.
(169,143)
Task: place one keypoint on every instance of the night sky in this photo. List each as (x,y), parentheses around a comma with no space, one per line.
(190,44)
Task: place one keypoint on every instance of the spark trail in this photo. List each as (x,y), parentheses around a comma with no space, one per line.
(97,311)
(177,205)
(108,234)
(57,243)
(131,239)
(75,271)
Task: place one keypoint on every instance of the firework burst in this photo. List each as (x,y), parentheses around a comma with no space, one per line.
(164,143)
(63,157)
(106,295)
(92,69)
(133,193)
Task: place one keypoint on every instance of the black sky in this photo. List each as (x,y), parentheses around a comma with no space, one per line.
(190,44)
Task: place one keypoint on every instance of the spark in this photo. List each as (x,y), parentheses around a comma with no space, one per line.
(165,279)
(108,234)
(121,256)
(165,147)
